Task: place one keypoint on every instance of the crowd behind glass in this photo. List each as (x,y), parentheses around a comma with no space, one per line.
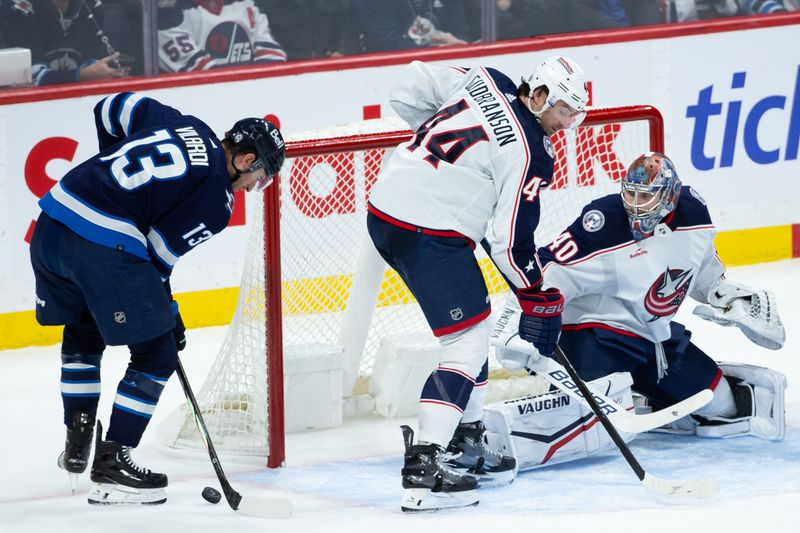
(83,40)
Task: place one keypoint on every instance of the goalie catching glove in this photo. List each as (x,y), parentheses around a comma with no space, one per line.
(753,312)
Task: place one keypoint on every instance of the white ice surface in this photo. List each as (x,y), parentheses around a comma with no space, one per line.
(347,479)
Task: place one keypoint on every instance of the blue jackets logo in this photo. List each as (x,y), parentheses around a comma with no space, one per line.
(742,123)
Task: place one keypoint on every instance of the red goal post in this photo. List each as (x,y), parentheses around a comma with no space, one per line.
(312,284)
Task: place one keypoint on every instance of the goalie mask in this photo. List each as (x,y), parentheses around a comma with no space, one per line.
(261,136)
(650,191)
(565,81)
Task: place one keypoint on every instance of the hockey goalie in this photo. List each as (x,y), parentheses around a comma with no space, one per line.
(624,267)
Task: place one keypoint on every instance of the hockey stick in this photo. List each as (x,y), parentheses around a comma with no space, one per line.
(694,488)
(624,420)
(249,505)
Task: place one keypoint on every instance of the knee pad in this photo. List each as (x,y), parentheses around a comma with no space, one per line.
(466,350)
(158,356)
(82,338)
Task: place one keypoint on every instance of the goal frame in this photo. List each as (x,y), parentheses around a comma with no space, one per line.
(272,260)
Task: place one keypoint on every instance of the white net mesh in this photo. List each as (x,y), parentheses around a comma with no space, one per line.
(323,231)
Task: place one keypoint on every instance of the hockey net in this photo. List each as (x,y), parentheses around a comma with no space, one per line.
(334,292)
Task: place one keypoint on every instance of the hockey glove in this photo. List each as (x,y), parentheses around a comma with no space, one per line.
(540,323)
(179,331)
(754,312)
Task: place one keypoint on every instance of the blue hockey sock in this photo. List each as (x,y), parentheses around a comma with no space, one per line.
(152,362)
(80,384)
(137,396)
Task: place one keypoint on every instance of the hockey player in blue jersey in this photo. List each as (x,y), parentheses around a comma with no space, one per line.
(625,266)
(105,244)
(481,153)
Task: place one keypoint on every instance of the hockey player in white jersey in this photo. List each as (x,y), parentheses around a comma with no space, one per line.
(199,35)
(625,266)
(480,155)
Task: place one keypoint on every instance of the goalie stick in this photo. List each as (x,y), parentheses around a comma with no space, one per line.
(693,488)
(624,420)
(249,505)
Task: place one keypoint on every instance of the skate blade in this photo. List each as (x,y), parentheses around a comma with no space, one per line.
(485,479)
(111,494)
(73,476)
(425,500)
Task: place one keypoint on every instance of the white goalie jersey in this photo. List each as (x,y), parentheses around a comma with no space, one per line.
(478,157)
(611,281)
(213,33)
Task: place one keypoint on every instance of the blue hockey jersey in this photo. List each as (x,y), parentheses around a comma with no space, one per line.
(158,187)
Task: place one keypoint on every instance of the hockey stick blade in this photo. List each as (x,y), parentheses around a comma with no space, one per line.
(687,488)
(265,507)
(251,506)
(650,421)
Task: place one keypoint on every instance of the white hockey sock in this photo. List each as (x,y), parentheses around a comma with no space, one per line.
(463,352)
(477,399)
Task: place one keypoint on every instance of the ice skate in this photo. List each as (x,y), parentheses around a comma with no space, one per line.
(77,447)
(428,484)
(469,454)
(119,480)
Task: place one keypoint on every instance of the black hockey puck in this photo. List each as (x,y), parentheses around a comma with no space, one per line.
(211,495)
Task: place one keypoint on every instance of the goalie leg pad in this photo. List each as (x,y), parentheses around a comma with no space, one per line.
(759,396)
(553,428)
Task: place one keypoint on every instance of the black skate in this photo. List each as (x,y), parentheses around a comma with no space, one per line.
(428,484)
(77,447)
(468,453)
(118,479)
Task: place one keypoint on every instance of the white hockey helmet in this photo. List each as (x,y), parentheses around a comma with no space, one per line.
(565,81)
(650,192)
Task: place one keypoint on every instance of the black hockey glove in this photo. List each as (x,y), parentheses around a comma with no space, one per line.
(179,331)
(540,323)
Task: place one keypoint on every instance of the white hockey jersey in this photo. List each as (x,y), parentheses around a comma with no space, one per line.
(216,33)
(479,157)
(611,281)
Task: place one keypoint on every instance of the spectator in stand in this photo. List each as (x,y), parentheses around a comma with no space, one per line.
(410,24)
(204,34)
(510,18)
(65,37)
(623,13)
(686,10)
(309,29)
(543,17)
(763,7)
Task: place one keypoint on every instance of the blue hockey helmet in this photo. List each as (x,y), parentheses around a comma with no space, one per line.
(265,139)
(650,192)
